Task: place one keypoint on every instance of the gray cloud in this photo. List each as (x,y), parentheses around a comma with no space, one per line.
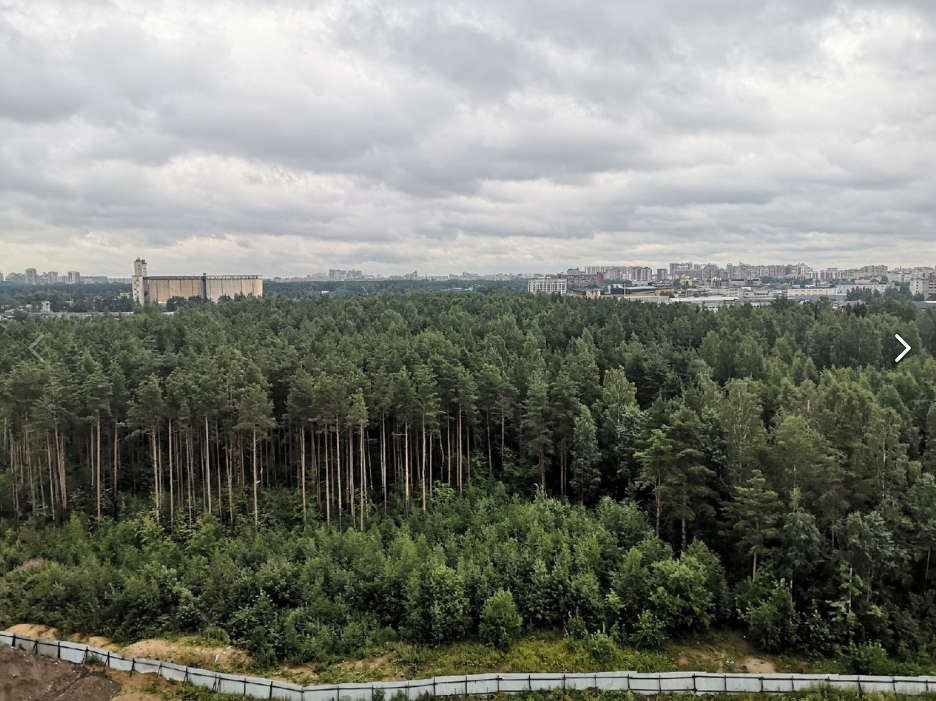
(287,137)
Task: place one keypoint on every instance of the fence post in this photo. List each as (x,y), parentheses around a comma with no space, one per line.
(107,664)
(762,684)
(695,687)
(132,665)
(530,682)
(466,685)
(270,695)
(14,641)
(58,649)
(498,683)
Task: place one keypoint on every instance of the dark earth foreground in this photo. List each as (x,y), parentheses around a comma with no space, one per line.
(28,677)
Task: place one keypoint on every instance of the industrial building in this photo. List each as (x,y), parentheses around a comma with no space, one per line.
(160,289)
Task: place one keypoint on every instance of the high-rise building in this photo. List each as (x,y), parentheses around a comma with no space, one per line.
(74,277)
(32,278)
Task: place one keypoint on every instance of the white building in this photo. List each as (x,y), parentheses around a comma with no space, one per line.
(923,285)
(547,285)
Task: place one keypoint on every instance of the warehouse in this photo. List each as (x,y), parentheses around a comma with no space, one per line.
(160,289)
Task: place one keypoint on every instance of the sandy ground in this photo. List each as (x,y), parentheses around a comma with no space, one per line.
(28,677)
(225,659)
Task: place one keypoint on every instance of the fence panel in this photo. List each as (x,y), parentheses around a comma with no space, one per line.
(650,684)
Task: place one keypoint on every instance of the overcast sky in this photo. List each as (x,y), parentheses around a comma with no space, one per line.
(283,137)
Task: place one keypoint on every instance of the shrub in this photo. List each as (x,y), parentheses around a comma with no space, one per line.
(501,623)
(649,632)
(870,658)
(771,621)
(682,598)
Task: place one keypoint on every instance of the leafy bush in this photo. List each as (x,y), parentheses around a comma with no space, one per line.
(649,632)
(501,623)
(870,658)
(771,620)
(681,597)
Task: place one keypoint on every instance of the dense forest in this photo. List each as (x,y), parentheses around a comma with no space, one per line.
(314,476)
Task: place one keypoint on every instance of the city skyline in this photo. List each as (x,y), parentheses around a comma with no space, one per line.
(798,270)
(485,135)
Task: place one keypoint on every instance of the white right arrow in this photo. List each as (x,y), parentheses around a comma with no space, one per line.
(904,351)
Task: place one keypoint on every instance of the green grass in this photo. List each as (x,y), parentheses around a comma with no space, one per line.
(196,694)
(539,652)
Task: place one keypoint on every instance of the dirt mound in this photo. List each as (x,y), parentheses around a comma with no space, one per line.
(187,653)
(28,677)
(34,630)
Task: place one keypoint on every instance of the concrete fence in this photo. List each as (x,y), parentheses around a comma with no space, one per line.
(650,684)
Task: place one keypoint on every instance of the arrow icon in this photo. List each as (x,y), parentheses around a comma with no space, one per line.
(904,351)
(32,347)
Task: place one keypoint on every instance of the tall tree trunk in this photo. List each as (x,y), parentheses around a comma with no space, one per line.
(406,475)
(383,460)
(487,429)
(338,468)
(458,475)
(351,472)
(98,468)
(363,475)
(155,470)
(228,460)
(302,471)
(207,468)
(327,480)
(256,478)
(171,481)
(422,465)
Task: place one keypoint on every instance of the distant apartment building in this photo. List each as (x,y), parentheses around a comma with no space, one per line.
(924,285)
(580,280)
(548,285)
(619,273)
(335,275)
(32,277)
(74,277)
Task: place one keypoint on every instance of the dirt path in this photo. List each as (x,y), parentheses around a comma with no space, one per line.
(28,677)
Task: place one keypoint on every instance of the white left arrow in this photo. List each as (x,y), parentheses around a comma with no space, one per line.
(32,348)
(904,351)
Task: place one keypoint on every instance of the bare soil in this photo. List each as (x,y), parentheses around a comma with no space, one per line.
(28,677)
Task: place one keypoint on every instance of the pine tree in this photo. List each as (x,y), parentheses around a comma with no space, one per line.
(586,477)
(754,515)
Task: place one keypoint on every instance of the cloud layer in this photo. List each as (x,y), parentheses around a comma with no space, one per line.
(289,137)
